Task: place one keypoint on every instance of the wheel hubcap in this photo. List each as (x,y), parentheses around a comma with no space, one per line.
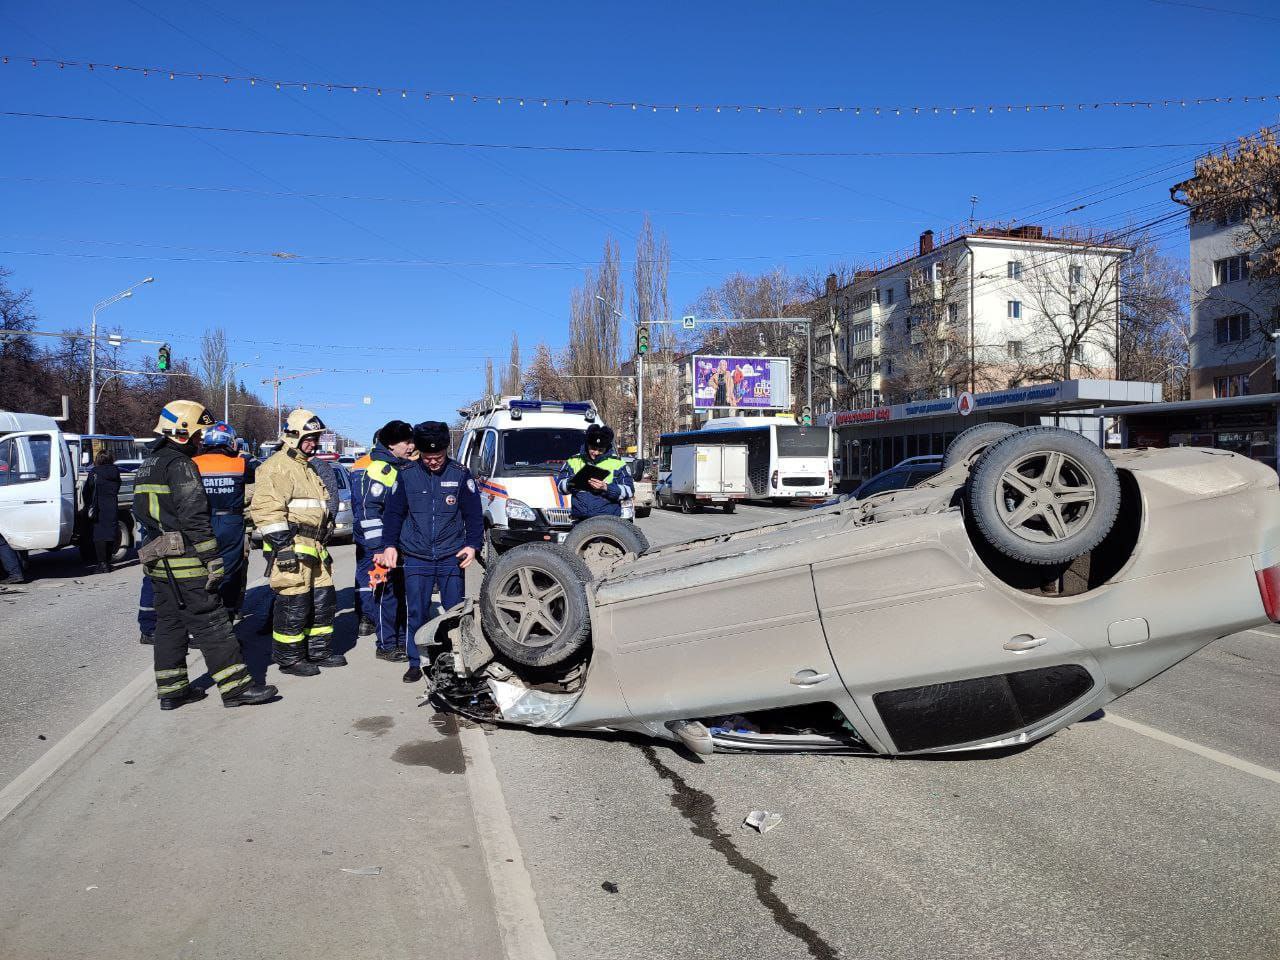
(599,552)
(531,607)
(1046,497)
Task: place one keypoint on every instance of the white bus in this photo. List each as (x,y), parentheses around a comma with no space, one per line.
(785,461)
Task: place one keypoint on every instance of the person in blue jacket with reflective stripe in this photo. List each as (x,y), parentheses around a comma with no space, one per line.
(434,523)
(373,478)
(599,498)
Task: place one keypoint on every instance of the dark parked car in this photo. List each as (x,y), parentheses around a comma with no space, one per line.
(902,476)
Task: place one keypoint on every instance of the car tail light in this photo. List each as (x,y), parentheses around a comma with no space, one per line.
(1269,587)
(774,482)
(831,478)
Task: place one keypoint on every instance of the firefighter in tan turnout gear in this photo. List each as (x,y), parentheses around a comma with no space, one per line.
(181,559)
(290,509)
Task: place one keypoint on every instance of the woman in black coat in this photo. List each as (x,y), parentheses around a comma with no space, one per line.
(103,499)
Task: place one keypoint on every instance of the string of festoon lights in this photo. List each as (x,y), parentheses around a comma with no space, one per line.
(454,96)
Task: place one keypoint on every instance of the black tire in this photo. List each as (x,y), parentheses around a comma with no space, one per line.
(730,507)
(642,513)
(529,631)
(124,540)
(600,541)
(686,504)
(974,440)
(1031,519)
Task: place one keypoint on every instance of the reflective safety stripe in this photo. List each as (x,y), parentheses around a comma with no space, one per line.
(266,546)
(171,688)
(146,609)
(303,503)
(319,631)
(205,546)
(177,563)
(306,550)
(287,637)
(371,524)
(167,674)
(223,674)
(273,528)
(225,688)
(150,488)
(157,572)
(382,472)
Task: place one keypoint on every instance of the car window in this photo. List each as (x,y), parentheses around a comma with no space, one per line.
(538,449)
(889,480)
(25,459)
(804,441)
(488,453)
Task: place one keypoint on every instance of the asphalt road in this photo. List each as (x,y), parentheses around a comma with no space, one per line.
(1100,842)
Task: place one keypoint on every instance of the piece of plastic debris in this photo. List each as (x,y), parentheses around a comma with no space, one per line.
(41,736)
(609,887)
(87,889)
(762,820)
(128,761)
(363,871)
(534,708)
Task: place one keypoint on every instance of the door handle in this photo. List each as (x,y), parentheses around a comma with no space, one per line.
(1024,642)
(809,678)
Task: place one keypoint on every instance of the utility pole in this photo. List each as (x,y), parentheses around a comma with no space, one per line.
(226,388)
(93,348)
(275,382)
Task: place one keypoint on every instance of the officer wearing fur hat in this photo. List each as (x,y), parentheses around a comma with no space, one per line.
(290,508)
(598,497)
(181,560)
(373,477)
(434,523)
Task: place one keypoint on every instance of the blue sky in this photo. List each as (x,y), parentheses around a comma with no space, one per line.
(506,232)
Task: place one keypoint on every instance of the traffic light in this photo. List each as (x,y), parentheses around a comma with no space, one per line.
(163,359)
(806,416)
(642,340)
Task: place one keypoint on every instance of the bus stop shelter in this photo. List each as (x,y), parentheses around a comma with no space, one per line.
(876,438)
(1242,424)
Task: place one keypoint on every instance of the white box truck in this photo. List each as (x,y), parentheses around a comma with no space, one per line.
(700,474)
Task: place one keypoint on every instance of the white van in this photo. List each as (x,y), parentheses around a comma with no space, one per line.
(37,483)
(514,448)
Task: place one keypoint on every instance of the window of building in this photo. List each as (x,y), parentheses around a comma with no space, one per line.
(1077,353)
(953,312)
(1075,273)
(1231,216)
(1015,309)
(1232,329)
(888,296)
(864,300)
(1015,269)
(1231,269)
(1014,348)
(861,333)
(1236,385)
(888,368)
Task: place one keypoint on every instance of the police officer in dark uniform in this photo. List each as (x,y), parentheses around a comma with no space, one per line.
(434,521)
(225,475)
(600,497)
(373,477)
(181,559)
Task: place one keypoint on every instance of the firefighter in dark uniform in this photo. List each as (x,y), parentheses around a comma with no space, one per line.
(373,478)
(600,498)
(225,475)
(181,559)
(434,523)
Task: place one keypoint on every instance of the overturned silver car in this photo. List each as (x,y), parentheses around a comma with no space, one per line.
(1032,581)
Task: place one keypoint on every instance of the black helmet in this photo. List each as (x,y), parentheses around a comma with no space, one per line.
(598,435)
(431,436)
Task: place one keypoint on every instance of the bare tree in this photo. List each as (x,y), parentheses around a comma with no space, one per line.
(511,374)
(592,357)
(653,310)
(1155,322)
(545,377)
(1068,322)
(488,377)
(926,353)
(215,368)
(21,386)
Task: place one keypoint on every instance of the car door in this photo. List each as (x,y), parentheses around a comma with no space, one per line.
(741,633)
(934,651)
(37,490)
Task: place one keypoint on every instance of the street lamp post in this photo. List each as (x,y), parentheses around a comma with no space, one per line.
(93,348)
(226,387)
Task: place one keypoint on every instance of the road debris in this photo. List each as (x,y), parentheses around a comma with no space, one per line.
(609,887)
(363,871)
(762,821)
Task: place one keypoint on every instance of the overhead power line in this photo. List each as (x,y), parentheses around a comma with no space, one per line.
(569,148)
(637,105)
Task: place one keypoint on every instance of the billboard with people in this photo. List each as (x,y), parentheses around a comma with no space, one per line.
(741,383)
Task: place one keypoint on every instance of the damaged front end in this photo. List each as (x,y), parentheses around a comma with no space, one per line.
(465,676)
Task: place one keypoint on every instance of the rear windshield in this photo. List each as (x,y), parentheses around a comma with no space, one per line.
(538,450)
(804,441)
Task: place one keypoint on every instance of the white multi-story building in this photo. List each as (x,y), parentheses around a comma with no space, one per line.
(982,309)
(1231,353)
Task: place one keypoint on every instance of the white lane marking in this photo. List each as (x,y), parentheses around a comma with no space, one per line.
(1265,633)
(1217,756)
(27,782)
(514,903)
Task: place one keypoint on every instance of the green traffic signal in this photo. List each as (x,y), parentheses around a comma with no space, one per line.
(163,359)
(642,340)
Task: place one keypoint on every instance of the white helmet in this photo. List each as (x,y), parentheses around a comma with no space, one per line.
(183,420)
(301,423)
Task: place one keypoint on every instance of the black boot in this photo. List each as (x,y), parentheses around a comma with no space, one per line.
(300,668)
(412,675)
(252,695)
(366,628)
(147,639)
(332,660)
(189,695)
(392,654)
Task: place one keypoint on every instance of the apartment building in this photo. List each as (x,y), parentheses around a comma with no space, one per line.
(979,309)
